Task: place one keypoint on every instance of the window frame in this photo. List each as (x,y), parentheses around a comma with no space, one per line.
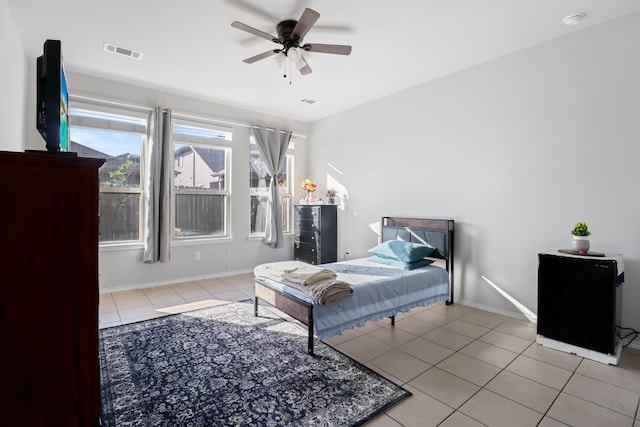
(104,118)
(223,143)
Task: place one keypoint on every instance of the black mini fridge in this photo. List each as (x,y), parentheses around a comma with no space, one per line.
(579,301)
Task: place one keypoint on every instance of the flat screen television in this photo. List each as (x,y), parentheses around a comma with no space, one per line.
(52,98)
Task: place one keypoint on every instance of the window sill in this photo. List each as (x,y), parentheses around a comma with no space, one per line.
(114,247)
(201,240)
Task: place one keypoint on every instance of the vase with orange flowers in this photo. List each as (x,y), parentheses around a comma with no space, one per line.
(309,187)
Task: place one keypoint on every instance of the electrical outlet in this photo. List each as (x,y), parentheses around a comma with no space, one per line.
(197,255)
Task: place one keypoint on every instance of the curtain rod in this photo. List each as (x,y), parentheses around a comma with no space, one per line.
(176,114)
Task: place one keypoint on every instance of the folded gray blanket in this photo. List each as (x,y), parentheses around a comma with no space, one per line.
(328,291)
(320,283)
(306,279)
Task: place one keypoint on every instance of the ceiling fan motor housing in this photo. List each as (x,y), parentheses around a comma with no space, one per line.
(284,29)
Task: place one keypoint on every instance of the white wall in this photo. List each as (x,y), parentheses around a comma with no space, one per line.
(13,84)
(516,150)
(122,268)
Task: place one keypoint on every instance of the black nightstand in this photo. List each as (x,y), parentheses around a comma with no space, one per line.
(316,233)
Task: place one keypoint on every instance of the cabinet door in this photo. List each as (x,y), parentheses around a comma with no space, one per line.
(577,301)
(49,369)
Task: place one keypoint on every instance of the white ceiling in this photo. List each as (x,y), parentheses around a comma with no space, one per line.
(190,47)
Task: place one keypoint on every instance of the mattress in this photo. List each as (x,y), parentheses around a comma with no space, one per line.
(379,291)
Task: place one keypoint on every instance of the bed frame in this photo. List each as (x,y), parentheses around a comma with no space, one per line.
(437,232)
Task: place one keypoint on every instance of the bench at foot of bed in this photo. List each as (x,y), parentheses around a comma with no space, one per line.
(294,307)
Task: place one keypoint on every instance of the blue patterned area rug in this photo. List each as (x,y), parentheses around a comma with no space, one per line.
(222,366)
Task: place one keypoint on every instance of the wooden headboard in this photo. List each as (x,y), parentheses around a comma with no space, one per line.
(436,232)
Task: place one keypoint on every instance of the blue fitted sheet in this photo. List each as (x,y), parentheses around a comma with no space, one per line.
(378,291)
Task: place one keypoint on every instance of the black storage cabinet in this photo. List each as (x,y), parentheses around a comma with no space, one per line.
(316,233)
(579,301)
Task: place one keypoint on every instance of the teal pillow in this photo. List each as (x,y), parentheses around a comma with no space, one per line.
(402,251)
(401,264)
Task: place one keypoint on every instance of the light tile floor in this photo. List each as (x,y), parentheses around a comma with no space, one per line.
(465,367)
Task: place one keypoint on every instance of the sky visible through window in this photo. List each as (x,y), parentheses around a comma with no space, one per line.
(108,142)
(114,134)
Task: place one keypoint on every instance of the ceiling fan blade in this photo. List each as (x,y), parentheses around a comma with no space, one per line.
(303,67)
(308,18)
(338,49)
(254,31)
(260,56)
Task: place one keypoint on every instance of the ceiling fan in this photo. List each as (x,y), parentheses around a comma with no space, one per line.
(290,35)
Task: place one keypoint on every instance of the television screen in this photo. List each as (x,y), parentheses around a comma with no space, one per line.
(64,110)
(52,98)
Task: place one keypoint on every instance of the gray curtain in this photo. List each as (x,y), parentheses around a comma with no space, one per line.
(272,146)
(157,186)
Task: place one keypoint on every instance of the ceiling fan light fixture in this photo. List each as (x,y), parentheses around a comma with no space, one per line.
(573,19)
(294,55)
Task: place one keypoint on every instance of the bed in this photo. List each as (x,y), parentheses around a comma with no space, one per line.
(379,290)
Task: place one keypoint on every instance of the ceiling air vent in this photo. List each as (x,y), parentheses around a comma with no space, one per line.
(119,50)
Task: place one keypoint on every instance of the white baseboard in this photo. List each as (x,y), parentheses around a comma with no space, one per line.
(635,344)
(490,309)
(137,286)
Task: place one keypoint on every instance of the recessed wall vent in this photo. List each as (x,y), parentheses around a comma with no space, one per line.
(119,50)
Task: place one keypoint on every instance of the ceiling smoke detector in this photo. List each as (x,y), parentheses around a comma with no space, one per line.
(573,19)
(119,50)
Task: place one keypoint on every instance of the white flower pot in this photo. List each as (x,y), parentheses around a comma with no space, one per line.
(581,243)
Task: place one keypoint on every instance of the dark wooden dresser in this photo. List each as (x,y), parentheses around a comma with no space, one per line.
(316,233)
(49,367)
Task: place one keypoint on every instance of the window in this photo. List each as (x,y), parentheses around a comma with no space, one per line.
(117,138)
(202,156)
(259,181)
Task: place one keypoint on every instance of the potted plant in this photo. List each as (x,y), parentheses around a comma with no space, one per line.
(331,196)
(581,235)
